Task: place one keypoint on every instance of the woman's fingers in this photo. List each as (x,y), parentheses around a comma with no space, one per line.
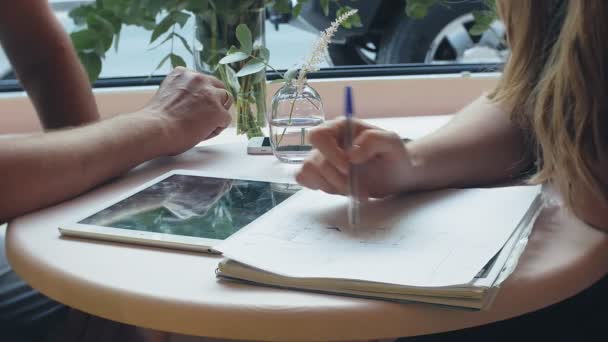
(328,168)
(318,174)
(326,140)
(329,140)
(372,143)
(336,180)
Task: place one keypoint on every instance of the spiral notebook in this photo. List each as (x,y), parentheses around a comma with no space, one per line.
(449,247)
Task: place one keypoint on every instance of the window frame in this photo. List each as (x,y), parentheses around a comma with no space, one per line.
(325,73)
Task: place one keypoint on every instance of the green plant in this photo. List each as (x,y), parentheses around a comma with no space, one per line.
(240,68)
(100,23)
(418,9)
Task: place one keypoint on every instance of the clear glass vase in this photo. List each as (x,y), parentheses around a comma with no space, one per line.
(215,34)
(294,113)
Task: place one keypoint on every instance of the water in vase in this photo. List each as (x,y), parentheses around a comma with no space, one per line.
(290,137)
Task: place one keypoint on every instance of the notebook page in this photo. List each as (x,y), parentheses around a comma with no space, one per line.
(440,238)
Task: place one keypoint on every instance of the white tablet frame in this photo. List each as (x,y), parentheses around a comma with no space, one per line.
(189,243)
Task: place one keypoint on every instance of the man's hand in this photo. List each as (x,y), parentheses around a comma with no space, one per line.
(192,106)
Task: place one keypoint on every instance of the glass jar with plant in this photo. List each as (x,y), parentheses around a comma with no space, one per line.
(296,106)
(233,28)
(222,26)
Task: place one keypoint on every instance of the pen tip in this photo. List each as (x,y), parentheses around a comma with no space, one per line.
(348,101)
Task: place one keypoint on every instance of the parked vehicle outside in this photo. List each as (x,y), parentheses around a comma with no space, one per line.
(388,36)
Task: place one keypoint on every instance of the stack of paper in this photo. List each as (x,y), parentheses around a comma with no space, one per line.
(450,247)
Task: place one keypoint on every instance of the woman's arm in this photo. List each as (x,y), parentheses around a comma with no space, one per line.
(586,205)
(479,146)
(45,62)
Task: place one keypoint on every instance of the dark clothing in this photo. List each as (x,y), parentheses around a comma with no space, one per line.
(26,314)
(579,318)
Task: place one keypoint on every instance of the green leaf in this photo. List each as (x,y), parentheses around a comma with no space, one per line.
(483,20)
(80,14)
(162,62)
(177,61)
(84,40)
(234,57)
(113,5)
(282,6)
(232,50)
(325,6)
(167,38)
(112,19)
(116,40)
(251,68)
(104,30)
(181,5)
(147,23)
(491,5)
(197,6)
(184,42)
(243,34)
(181,18)
(418,9)
(297,10)
(162,27)
(100,24)
(264,54)
(353,20)
(231,79)
(92,64)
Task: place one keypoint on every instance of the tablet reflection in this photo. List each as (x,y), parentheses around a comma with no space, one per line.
(196,206)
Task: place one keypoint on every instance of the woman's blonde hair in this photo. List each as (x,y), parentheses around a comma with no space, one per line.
(556,85)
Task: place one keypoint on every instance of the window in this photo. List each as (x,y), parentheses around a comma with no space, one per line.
(439,42)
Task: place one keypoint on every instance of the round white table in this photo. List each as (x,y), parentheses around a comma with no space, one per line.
(176,291)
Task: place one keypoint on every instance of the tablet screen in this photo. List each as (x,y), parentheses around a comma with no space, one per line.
(196,206)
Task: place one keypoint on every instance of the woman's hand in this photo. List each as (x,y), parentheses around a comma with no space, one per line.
(383,162)
(192,106)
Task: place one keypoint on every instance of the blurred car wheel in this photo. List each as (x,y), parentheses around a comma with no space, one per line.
(442,37)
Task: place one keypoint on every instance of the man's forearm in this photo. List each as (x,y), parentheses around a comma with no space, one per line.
(48,168)
(480,146)
(62,96)
(45,62)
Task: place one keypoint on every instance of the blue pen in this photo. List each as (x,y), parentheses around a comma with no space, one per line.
(353,203)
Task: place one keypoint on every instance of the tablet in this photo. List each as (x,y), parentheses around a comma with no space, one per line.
(181,209)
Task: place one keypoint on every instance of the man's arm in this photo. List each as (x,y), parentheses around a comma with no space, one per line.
(43,169)
(45,62)
(40,169)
